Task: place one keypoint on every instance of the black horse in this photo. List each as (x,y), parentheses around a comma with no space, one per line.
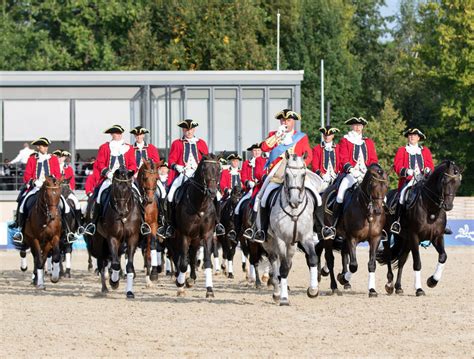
(195,220)
(424,220)
(118,227)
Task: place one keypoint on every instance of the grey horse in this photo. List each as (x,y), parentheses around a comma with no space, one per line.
(291,222)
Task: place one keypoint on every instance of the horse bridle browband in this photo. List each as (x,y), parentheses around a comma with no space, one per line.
(440,201)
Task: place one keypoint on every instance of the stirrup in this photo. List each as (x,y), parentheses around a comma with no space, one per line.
(169,231)
(232,235)
(90,229)
(18,237)
(71,237)
(248,234)
(328,232)
(259,236)
(12,225)
(395,227)
(220,230)
(80,231)
(145,229)
(161,232)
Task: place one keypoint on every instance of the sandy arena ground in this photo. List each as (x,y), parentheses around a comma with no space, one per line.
(72,319)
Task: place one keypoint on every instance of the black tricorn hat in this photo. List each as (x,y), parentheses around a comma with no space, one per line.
(115,129)
(42,141)
(164,164)
(328,130)
(139,130)
(234,156)
(415,131)
(188,124)
(287,113)
(254,146)
(65,153)
(57,153)
(356,120)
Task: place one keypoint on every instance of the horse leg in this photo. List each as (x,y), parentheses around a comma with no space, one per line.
(147,258)
(274,277)
(312,261)
(388,255)
(415,252)
(401,262)
(345,277)
(114,245)
(373,245)
(56,259)
(215,251)
(23,261)
(208,242)
(155,253)
(132,246)
(102,268)
(39,264)
(192,263)
(68,261)
(230,260)
(181,263)
(285,266)
(438,243)
(329,257)
(89,261)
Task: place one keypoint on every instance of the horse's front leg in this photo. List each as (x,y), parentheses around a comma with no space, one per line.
(388,255)
(438,243)
(131,247)
(230,260)
(155,253)
(312,260)
(191,280)
(373,246)
(181,262)
(415,252)
(67,257)
(56,259)
(275,267)
(102,268)
(39,264)
(147,259)
(285,266)
(401,262)
(345,277)
(208,246)
(329,257)
(114,246)
(23,261)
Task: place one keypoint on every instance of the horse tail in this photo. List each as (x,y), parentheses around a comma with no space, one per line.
(393,254)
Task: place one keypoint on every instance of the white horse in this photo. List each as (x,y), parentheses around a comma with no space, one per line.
(291,222)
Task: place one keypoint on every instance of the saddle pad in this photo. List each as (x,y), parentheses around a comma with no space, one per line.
(105,199)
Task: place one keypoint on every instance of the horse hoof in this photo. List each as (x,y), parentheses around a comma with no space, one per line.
(189,282)
(153,277)
(113,284)
(24,269)
(54,280)
(399,291)
(284,302)
(258,285)
(342,280)
(389,289)
(90,267)
(180,292)
(420,292)
(230,276)
(276,298)
(324,273)
(67,274)
(347,286)
(41,287)
(372,293)
(104,290)
(431,282)
(265,278)
(209,293)
(312,292)
(130,295)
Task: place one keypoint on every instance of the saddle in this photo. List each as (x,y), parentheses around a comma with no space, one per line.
(105,200)
(331,199)
(392,201)
(412,195)
(30,202)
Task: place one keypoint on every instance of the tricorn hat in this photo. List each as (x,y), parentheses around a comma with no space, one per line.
(164,164)
(57,153)
(115,129)
(356,120)
(254,146)
(139,130)
(234,156)
(65,153)
(287,113)
(188,124)
(328,130)
(42,141)
(414,131)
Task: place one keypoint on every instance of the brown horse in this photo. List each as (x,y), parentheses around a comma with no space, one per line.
(117,227)
(195,218)
(147,184)
(363,219)
(425,220)
(42,231)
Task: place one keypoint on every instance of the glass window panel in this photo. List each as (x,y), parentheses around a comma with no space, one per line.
(43,118)
(252,116)
(93,117)
(159,121)
(198,110)
(224,125)
(198,93)
(280,93)
(275,106)
(177,117)
(252,93)
(225,93)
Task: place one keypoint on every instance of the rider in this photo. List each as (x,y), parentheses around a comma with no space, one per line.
(111,156)
(326,156)
(412,162)
(356,154)
(39,165)
(232,176)
(184,156)
(286,138)
(143,151)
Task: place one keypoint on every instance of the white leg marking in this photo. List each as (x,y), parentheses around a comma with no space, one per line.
(68,260)
(313,277)
(115,275)
(154,258)
(284,288)
(371,280)
(230,268)
(129,282)
(347,276)
(181,277)
(24,263)
(158,258)
(40,276)
(55,273)
(417,279)
(439,271)
(208,273)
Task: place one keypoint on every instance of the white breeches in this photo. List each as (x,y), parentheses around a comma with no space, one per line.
(74,199)
(404,190)
(270,187)
(29,194)
(107,183)
(244,198)
(161,189)
(347,182)
(175,185)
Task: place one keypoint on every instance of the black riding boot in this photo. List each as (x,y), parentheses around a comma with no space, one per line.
(249,232)
(261,234)
(92,225)
(169,220)
(330,232)
(318,218)
(396,227)
(21,219)
(220,230)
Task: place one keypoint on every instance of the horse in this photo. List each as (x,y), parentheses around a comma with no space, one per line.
(117,227)
(363,219)
(195,220)
(423,220)
(291,222)
(147,184)
(42,230)
(229,240)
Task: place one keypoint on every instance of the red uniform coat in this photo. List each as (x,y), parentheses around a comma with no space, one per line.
(32,169)
(177,154)
(68,172)
(321,159)
(91,183)
(226,180)
(300,148)
(148,152)
(348,154)
(403,162)
(256,173)
(102,163)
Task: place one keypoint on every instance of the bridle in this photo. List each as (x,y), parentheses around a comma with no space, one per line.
(440,200)
(47,211)
(124,202)
(204,188)
(369,199)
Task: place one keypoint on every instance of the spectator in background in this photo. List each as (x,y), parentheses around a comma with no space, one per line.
(23,155)
(6,177)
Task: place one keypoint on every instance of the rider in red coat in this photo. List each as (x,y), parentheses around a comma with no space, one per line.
(143,151)
(326,156)
(356,154)
(66,169)
(232,176)
(253,171)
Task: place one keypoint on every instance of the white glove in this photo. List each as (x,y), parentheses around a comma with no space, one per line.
(251,184)
(327,177)
(355,173)
(38,183)
(410,172)
(281,131)
(426,170)
(179,168)
(110,175)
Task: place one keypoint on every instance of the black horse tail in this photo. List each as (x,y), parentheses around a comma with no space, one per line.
(393,254)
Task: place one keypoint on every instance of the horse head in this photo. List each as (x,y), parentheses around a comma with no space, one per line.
(447,178)
(375,185)
(295,174)
(50,196)
(236,195)
(121,191)
(147,180)
(65,186)
(207,175)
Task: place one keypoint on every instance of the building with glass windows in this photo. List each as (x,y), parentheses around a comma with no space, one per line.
(234,108)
